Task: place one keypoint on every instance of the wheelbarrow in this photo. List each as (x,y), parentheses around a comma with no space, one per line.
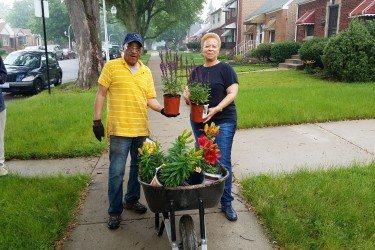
(167,200)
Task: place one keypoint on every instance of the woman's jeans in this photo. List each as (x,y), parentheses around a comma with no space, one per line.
(224,141)
(118,153)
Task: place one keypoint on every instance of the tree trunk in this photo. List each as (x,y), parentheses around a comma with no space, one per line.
(84,18)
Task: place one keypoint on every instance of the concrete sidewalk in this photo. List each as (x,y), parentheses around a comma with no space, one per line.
(255,151)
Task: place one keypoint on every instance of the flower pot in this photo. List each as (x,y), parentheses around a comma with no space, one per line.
(172,104)
(208,177)
(198,112)
(156,181)
(195,178)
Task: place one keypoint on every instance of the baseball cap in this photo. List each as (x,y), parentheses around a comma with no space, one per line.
(133,37)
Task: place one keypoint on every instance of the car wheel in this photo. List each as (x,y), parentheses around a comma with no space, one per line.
(37,86)
(58,79)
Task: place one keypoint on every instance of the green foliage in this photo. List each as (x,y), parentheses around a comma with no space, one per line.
(150,158)
(181,161)
(331,209)
(20,15)
(56,24)
(262,52)
(199,92)
(349,55)
(222,57)
(195,46)
(312,50)
(240,59)
(284,50)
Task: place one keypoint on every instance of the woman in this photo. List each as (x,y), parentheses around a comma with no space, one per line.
(223,83)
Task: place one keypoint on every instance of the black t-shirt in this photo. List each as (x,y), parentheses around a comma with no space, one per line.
(219,77)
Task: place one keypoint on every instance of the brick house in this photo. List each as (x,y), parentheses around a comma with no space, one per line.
(273,21)
(229,36)
(324,18)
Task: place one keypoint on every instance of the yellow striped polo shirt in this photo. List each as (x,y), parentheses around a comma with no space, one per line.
(127,98)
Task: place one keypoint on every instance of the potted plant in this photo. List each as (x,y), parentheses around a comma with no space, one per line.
(199,93)
(183,164)
(172,81)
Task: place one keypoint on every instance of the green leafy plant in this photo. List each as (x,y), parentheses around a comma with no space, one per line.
(150,157)
(199,92)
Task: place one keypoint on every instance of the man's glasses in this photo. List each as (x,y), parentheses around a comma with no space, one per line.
(133,48)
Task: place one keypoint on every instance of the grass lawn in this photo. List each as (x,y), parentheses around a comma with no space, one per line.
(293,97)
(331,209)
(35,211)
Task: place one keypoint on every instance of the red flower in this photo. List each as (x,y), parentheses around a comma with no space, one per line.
(204,143)
(212,154)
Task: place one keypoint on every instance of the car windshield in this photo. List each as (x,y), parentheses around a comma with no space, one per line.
(21,59)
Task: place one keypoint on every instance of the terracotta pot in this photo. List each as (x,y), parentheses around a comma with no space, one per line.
(172,104)
(197,112)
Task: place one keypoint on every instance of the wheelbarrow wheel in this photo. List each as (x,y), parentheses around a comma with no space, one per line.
(187,233)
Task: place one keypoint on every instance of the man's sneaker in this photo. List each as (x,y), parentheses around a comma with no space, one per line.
(114,221)
(229,212)
(3,171)
(137,207)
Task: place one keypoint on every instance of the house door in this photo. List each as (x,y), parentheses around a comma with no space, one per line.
(332,20)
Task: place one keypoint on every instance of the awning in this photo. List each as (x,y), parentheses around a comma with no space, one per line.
(225,9)
(270,25)
(230,26)
(366,8)
(256,19)
(226,33)
(249,29)
(307,19)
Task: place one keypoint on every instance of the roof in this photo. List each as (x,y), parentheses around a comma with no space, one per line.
(365,8)
(305,1)
(269,6)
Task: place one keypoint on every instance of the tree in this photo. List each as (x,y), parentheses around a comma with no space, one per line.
(19,16)
(140,15)
(56,24)
(84,18)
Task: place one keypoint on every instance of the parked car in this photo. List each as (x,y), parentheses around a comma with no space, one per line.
(69,54)
(56,49)
(33,48)
(114,53)
(27,71)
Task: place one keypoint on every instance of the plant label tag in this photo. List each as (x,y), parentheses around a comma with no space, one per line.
(205,111)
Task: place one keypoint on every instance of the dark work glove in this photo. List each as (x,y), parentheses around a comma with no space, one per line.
(168,115)
(98,129)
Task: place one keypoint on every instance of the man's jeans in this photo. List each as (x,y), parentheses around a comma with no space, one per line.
(2,130)
(224,141)
(118,153)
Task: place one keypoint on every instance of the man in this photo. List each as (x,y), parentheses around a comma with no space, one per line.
(129,86)
(3,77)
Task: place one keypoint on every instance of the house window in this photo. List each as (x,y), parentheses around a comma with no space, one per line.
(309,30)
(272,36)
(5,41)
(234,12)
(218,18)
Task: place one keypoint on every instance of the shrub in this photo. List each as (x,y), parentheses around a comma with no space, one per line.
(312,50)
(262,52)
(195,46)
(240,59)
(284,50)
(348,55)
(222,57)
